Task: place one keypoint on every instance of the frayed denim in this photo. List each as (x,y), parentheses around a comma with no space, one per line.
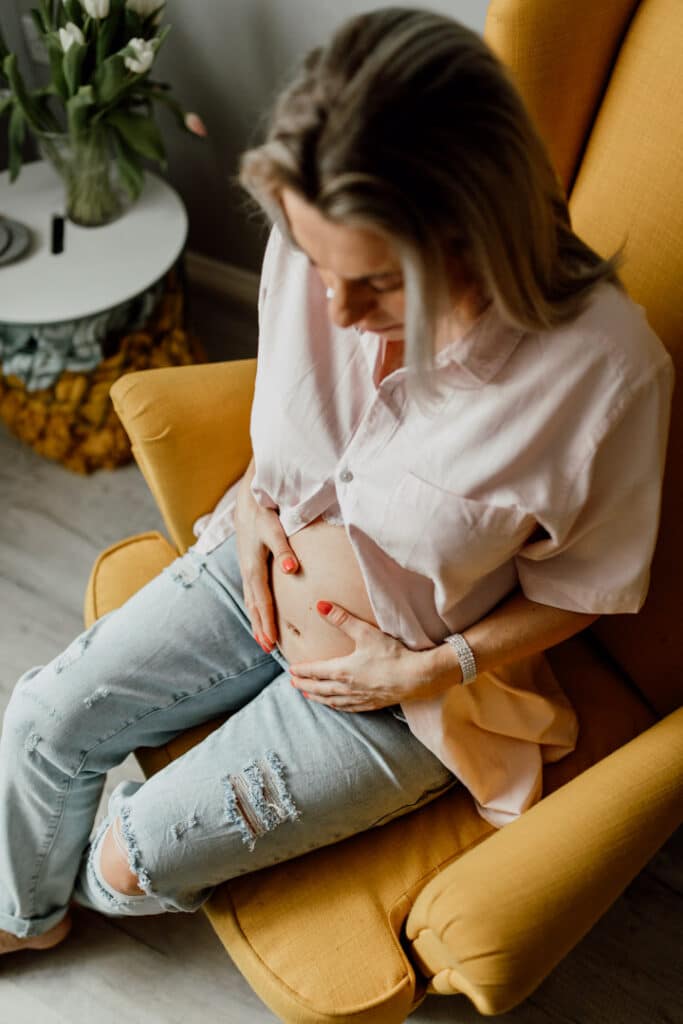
(278,777)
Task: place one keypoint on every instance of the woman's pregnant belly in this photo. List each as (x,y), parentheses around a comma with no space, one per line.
(328,571)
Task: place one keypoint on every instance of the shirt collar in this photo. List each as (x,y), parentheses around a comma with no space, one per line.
(480,353)
(475,358)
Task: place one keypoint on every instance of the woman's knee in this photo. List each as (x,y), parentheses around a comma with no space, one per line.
(35,724)
(25,715)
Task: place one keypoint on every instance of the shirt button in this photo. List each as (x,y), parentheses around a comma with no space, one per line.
(346,475)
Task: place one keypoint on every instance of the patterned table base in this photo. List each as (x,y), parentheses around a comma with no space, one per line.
(73,421)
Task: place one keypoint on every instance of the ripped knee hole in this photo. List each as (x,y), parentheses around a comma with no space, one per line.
(257,798)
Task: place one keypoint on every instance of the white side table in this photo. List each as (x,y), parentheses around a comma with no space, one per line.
(58,309)
(99,267)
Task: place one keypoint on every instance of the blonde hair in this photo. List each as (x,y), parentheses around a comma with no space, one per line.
(408,124)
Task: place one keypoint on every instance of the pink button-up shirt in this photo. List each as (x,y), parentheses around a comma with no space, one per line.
(563,430)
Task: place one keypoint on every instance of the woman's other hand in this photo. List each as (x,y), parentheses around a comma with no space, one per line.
(380,672)
(259,534)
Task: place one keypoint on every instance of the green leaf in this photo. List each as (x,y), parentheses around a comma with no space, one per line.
(47,119)
(46,90)
(56,55)
(134,25)
(4,52)
(172,105)
(72,65)
(38,118)
(110,78)
(43,18)
(132,174)
(38,22)
(72,10)
(140,133)
(139,104)
(17,134)
(161,38)
(77,109)
(107,32)
(5,103)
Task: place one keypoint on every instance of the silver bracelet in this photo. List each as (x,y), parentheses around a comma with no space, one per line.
(468,665)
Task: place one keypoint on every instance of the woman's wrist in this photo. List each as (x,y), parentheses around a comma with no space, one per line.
(448,664)
(440,670)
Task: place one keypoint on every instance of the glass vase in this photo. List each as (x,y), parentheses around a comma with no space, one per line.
(94,193)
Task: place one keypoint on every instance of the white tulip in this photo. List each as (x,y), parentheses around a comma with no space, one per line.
(144,56)
(144,7)
(70,34)
(96,8)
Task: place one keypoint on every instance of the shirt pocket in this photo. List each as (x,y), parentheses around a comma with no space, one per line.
(443,535)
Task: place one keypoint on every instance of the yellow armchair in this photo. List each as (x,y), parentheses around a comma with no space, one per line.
(439,901)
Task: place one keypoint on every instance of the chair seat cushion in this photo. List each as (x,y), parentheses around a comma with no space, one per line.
(320,937)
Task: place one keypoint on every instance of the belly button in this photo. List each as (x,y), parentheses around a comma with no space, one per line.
(293,628)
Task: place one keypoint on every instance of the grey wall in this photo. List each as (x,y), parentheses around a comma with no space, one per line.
(228,65)
(227,61)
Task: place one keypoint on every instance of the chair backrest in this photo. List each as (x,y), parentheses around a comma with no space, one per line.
(604,84)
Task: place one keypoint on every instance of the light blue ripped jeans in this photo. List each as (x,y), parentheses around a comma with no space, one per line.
(281,776)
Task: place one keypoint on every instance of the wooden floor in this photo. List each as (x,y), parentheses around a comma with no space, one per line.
(173,970)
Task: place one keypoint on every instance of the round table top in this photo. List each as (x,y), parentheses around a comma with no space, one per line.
(99,267)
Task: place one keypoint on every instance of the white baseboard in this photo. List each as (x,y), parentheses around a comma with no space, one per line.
(231,282)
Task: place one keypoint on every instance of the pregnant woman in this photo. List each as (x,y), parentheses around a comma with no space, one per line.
(458,433)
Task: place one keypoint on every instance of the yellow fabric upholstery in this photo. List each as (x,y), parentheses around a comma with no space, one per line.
(113,580)
(627,186)
(438,900)
(629,183)
(560,54)
(619,813)
(190,459)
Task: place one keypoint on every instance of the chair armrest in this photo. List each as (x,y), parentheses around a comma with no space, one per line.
(494,923)
(189,429)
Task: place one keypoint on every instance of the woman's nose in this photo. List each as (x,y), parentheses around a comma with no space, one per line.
(348,305)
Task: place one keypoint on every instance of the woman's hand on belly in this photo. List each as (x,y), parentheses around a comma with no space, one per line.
(344,660)
(260,536)
(378,672)
(327,566)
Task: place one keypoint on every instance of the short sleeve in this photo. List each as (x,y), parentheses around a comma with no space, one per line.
(597,556)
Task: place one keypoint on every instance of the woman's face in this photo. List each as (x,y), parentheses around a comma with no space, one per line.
(360,266)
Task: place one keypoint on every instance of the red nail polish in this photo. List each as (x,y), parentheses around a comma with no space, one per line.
(324,607)
(304,693)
